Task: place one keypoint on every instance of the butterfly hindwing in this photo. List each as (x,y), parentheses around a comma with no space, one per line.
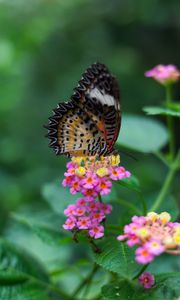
(89,123)
(73,132)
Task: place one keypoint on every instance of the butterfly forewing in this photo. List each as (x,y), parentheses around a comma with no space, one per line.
(98,94)
(89,123)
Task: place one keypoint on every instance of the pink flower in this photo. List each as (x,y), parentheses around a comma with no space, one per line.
(116,174)
(90,181)
(97,217)
(90,194)
(143,256)
(83,223)
(69,211)
(70,223)
(67,181)
(79,211)
(75,186)
(122,237)
(104,186)
(132,240)
(154,247)
(93,206)
(91,177)
(96,231)
(146,280)
(81,202)
(105,208)
(165,74)
(139,220)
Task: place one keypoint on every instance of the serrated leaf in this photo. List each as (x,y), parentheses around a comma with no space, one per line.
(167,287)
(58,197)
(17,268)
(117,257)
(131,183)
(155,110)
(142,134)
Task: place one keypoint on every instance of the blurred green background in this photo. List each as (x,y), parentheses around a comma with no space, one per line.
(45,46)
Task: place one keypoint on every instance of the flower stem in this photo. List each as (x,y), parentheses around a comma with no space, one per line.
(87,280)
(170,122)
(140,272)
(99,198)
(169,178)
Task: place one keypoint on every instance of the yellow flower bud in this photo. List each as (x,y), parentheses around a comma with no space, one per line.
(101,172)
(77,159)
(80,171)
(164,217)
(152,216)
(115,160)
(169,242)
(176,238)
(177,230)
(142,232)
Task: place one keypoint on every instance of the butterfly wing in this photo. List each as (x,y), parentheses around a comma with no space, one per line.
(90,122)
(98,94)
(73,133)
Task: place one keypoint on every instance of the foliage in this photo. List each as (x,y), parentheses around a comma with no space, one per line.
(44,48)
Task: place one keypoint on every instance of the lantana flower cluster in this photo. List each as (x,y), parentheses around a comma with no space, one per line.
(152,234)
(85,215)
(164,74)
(92,178)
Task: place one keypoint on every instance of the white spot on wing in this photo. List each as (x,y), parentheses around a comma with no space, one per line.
(103,98)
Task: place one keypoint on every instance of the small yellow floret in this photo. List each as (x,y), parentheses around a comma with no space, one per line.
(176,238)
(78,159)
(102,158)
(115,160)
(152,216)
(169,242)
(164,217)
(177,230)
(80,171)
(142,232)
(101,172)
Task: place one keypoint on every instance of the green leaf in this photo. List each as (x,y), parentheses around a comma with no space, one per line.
(155,110)
(167,287)
(131,183)
(47,234)
(117,257)
(26,291)
(175,105)
(118,290)
(17,273)
(142,134)
(58,197)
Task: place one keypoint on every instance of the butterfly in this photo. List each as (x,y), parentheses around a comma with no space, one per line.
(89,123)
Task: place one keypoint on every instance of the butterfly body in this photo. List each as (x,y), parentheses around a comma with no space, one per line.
(89,123)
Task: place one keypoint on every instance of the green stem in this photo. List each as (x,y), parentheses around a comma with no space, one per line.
(99,198)
(169,178)
(140,272)
(170,122)
(86,280)
(160,155)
